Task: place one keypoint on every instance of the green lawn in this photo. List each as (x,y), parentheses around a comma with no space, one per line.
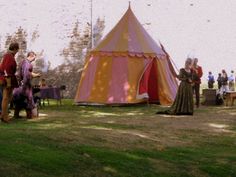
(129,141)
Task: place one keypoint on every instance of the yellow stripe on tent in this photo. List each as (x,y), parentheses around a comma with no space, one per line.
(165,93)
(135,69)
(99,92)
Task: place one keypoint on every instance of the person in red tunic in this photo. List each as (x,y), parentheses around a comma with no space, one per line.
(197,74)
(8,70)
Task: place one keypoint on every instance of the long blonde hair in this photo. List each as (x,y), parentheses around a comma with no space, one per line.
(188,62)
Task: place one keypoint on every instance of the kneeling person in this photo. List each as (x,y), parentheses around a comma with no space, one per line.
(24,92)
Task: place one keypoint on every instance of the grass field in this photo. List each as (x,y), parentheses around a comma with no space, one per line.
(129,141)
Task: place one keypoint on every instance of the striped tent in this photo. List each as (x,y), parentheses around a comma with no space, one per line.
(127,67)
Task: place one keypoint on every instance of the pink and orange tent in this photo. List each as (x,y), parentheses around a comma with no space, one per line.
(127,67)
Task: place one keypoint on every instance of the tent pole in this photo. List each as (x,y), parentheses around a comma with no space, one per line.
(91,22)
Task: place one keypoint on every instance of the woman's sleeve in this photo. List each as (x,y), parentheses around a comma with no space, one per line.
(182,76)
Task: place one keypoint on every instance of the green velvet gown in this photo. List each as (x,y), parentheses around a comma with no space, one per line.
(183,103)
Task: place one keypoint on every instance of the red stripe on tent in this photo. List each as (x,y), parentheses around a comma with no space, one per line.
(118,90)
(88,80)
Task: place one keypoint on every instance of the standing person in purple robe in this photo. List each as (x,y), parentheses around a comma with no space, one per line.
(23,96)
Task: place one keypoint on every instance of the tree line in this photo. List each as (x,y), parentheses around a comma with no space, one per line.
(68,73)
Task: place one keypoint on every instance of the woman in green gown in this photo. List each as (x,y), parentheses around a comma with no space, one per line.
(183,103)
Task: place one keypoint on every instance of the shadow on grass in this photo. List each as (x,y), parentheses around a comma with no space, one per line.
(48,146)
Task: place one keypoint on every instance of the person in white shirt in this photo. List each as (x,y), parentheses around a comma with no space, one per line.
(231,80)
(224,82)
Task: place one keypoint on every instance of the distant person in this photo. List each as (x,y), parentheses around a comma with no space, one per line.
(23,97)
(197,74)
(1,89)
(231,81)
(219,81)
(42,83)
(8,70)
(2,82)
(183,103)
(211,80)
(224,83)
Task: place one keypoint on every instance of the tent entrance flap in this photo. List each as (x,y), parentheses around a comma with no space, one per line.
(148,85)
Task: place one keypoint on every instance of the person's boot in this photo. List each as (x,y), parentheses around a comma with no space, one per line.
(5,120)
(28,114)
(17,113)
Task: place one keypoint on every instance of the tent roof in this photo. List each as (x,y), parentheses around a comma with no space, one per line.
(129,36)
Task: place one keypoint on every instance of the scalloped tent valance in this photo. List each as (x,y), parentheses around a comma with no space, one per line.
(127,54)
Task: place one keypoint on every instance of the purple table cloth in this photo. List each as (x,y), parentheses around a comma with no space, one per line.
(50,93)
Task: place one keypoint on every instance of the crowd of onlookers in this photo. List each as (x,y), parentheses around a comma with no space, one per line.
(224,81)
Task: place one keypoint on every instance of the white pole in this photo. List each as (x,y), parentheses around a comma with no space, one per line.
(91,24)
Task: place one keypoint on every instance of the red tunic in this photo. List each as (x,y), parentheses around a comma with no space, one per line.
(8,66)
(199,73)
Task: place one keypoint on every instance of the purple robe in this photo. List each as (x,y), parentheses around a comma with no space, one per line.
(25,89)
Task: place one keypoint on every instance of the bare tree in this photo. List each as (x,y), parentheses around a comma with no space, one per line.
(74,55)
(98,31)
(19,36)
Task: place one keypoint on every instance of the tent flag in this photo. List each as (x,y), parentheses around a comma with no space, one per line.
(169,61)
